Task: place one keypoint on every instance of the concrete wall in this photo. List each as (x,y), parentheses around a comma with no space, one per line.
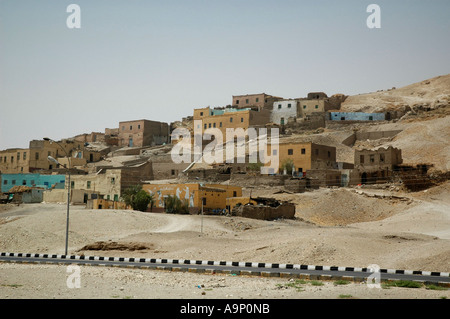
(33,196)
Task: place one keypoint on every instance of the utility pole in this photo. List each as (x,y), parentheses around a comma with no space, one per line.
(201,229)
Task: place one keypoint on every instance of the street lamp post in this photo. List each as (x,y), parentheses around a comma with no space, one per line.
(68,186)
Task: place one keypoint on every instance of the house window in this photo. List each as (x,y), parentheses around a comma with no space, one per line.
(36,156)
(372,158)
(139,126)
(304,106)
(290,151)
(361,159)
(131,127)
(257,99)
(205,126)
(237,101)
(72,184)
(242,120)
(172,172)
(5,182)
(300,170)
(316,106)
(370,118)
(231,119)
(209,125)
(201,113)
(24,156)
(381,158)
(246,101)
(279,106)
(303,151)
(204,200)
(88,184)
(214,124)
(113,180)
(18,156)
(12,159)
(13,182)
(289,105)
(220,124)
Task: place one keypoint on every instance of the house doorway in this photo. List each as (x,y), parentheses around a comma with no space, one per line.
(364,178)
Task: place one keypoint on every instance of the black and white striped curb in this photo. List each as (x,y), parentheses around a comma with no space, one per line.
(225,263)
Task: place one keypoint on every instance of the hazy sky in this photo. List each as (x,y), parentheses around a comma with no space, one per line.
(158,60)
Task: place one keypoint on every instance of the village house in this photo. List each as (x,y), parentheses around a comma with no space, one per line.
(254,101)
(35,158)
(356,116)
(304,156)
(31,180)
(232,118)
(284,111)
(140,133)
(212,197)
(377,165)
(106,183)
(15,161)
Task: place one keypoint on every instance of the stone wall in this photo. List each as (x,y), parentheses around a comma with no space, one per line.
(285,210)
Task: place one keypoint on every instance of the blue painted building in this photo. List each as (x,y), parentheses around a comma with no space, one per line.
(356,116)
(32,180)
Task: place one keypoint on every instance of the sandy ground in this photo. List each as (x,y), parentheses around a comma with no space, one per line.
(50,281)
(342,227)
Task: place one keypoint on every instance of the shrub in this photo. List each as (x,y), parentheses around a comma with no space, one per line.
(174,205)
(137,198)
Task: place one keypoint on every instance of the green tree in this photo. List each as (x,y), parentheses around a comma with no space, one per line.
(137,198)
(288,165)
(174,205)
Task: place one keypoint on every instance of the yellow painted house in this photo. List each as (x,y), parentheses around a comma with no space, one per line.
(214,196)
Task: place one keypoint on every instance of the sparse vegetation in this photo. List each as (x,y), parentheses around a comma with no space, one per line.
(402,283)
(341,282)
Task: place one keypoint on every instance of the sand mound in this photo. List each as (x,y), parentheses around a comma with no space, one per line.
(340,207)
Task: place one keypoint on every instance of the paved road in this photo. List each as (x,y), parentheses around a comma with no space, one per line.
(223,266)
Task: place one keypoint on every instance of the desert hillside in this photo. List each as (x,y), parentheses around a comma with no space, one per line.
(432,93)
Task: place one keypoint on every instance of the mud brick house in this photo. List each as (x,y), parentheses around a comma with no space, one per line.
(111,182)
(377,165)
(254,101)
(35,158)
(223,118)
(15,161)
(141,133)
(305,156)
